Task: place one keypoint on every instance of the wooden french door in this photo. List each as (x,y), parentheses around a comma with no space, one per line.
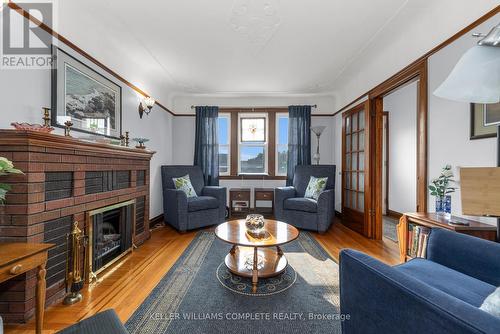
(356,190)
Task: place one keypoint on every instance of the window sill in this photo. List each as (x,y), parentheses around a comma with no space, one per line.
(252,177)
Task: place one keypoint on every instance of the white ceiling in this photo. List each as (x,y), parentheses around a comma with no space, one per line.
(242,47)
(225,46)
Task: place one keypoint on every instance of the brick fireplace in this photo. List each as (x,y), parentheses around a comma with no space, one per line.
(65,180)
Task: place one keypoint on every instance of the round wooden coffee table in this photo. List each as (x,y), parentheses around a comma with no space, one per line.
(256,257)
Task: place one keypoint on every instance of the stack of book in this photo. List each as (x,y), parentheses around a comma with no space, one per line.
(417,240)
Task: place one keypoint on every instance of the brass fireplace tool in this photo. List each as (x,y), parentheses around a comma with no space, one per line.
(74,272)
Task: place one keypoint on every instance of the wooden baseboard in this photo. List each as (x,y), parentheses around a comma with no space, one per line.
(394,214)
(155,221)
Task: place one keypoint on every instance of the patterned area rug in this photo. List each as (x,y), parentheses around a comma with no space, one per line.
(266,286)
(192,296)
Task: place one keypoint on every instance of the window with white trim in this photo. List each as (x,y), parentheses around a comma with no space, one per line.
(224,129)
(252,143)
(281,143)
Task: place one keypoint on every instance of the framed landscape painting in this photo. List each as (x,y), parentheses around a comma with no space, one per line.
(483,118)
(86,98)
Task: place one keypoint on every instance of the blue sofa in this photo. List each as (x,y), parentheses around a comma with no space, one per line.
(439,294)
(184,213)
(305,213)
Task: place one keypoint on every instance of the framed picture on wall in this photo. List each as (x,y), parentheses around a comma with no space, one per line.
(483,118)
(83,96)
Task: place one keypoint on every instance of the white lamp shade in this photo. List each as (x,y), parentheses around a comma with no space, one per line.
(475,78)
(318,130)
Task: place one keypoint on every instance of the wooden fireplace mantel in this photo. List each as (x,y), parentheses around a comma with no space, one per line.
(54,141)
(64,179)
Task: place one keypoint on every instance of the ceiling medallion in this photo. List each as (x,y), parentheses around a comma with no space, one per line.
(258,20)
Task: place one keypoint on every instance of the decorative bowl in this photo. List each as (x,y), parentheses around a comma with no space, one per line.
(255,224)
(141,142)
(32,127)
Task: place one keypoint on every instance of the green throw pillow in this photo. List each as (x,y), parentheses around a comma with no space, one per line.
(184,183)
(315,187)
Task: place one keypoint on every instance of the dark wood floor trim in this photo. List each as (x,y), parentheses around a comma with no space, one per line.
(83,53)
(394,214)
(156,220)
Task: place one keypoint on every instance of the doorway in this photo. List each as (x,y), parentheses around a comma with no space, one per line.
(363,204)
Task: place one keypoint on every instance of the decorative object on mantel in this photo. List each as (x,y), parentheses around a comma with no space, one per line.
(6,168)
(46,117)
(32,127)
(93,102)
(141,142)
(440,187)
(67,128)
(127,138)
(74,274)
(122,140)
(146,105)
(318,130)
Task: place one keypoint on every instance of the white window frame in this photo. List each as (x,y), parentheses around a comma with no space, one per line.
(250,144)
(228,116)
(277,135)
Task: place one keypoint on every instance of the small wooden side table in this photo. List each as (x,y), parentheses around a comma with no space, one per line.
(18,258)
(264,201)
(239,201)
(430,220)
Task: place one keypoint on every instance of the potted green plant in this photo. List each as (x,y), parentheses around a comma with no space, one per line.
(6,168)
(441,188)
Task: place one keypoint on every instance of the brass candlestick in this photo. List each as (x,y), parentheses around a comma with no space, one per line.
(46,117)
(67,128)
(126,138)
(74,273)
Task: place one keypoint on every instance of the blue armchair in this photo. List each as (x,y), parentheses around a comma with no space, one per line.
(292,208)
(439,294)
(184,213)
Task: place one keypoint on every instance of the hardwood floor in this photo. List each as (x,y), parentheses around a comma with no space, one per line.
(125,286)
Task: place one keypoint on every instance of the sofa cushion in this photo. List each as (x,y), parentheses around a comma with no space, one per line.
(202,203)
(315,187)
(184,183)
(301,204)
(452,282)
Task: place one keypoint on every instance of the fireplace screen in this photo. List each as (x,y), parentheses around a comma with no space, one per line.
(110,235)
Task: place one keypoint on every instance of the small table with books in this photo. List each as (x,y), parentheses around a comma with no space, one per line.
(414,228)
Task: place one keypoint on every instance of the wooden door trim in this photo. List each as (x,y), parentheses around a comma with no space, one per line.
(386,130)
(418,70)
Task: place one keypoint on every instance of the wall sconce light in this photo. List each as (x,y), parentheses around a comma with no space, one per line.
(146,105)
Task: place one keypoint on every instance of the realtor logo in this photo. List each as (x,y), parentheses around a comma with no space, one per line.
(25,44)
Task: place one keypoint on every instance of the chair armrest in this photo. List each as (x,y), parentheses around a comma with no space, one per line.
(409,305)
(175,208)
(221,194)
(280,195)
(472,256)
(326,203)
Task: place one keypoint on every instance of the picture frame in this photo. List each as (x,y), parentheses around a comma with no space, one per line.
(481,114)
(92,102)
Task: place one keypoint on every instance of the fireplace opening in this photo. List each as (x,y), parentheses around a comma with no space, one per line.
(110,236)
